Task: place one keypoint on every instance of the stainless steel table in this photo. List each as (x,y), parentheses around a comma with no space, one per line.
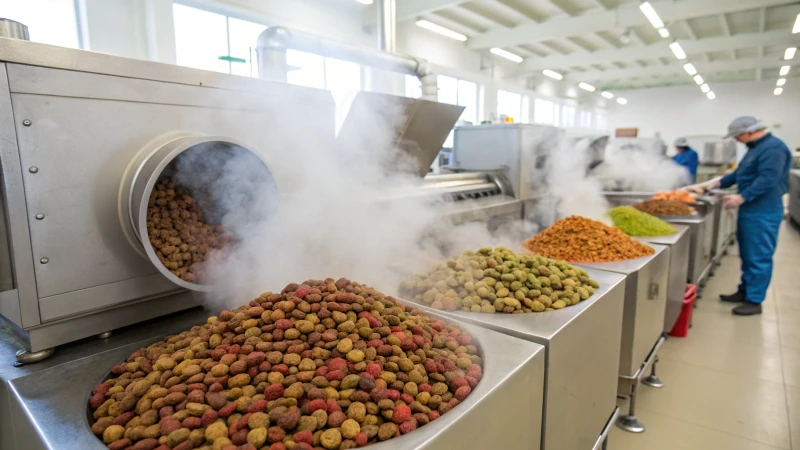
(678,244)
(44,406)
(642,323)
(582,343)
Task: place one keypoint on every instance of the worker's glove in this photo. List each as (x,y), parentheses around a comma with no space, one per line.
(702,188)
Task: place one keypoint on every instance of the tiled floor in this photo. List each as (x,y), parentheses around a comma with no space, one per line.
(734,382)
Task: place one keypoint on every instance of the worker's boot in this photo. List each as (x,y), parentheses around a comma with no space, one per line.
(747,309)
(733,298)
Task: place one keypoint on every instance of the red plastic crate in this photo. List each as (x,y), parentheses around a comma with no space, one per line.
(681,328)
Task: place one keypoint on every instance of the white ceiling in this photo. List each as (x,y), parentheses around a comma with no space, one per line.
(726,40)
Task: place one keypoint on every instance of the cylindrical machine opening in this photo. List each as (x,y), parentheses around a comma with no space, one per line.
(188,201)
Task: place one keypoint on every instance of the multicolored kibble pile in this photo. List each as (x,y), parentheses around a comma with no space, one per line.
(322,365)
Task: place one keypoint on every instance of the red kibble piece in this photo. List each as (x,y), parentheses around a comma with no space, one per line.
(393,395)
(282,368)
(374,370)
(277,446)
(101,389)
(433,415)
(317,404)
(337,364)
(304,436)
(361,439)
(408,426)
(406,398)
(283,324)
(333,406)
(462,392)
(337,375)
(401,414)
(234,349)
(192,423)
(459,382)
(464,339)
(227,410)
(258,406)
(472,381)
(216,387)
(300,293)
(302,446)
(425,387)
(240,437)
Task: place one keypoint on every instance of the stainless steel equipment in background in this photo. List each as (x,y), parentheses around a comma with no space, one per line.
(701,231)
(718,153)
(583,352)
(642,324)
(794,196)
(678,244)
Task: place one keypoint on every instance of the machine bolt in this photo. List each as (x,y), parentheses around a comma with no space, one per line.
(27,122)
(39,216)
(33,169)
(44,260)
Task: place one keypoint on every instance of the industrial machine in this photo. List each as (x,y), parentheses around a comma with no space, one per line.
(678,244)
(579,404)
(642,324)
(701,231)
(794,195)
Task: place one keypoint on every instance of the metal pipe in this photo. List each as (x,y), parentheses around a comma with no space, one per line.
(387,25)
(274,41)
(13,29)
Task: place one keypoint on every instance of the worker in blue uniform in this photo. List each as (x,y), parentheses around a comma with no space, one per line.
(686,157)
(762,178)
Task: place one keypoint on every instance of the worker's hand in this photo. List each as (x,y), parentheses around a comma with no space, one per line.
(694,189)
(733,200)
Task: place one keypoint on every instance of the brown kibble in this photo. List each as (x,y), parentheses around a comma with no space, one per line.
(387,431)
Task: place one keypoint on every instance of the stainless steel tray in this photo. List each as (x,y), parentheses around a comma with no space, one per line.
(645,303)
(678,244)
(47,404)
(582,344)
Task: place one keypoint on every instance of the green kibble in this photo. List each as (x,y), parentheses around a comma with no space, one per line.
(559,304)
(637,223)
(515,286)
(490,281)
(519,295)
(502,292)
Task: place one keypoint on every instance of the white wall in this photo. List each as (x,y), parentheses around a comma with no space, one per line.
(436,49)
(685,111)
(117,27)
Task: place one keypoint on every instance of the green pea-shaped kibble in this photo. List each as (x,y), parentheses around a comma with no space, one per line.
(519,295)
(503,292)
(490,281)
(559,304)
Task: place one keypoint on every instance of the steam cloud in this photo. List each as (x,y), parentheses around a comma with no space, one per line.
(338,210)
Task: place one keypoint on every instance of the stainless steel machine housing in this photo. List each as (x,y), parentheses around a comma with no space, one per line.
(71,121)
(794,195)
(582,343)
(701,230)
(43,406)
(678,244)
(642,322)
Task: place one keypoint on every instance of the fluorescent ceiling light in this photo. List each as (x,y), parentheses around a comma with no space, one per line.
(796,27)
(778,91)
(586,87)
(621,101)
(441,30)
(789,54)
(365,2)
(705,88)
(677,50)
(689,68)
(781,82)
(698,79)
(507,55)
(607,94)
(784,70)
(711,95)
(663,32)
(651,14)
(552,74)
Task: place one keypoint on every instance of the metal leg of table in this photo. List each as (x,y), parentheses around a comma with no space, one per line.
(26,357)
(652,380)
(629,422)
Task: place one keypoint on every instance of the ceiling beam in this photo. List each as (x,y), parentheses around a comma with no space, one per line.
(762,25)
(623,17)
(726,29)
(659,49)
(410,9)
(655,71)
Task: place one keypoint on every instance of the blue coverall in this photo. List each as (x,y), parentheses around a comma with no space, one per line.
(689,160)
(762,178)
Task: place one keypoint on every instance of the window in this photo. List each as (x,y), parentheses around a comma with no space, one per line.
(526,110)
(601,120)
(509,104)
(458,92)
(48,21)
(343,79)
(543,112)
(211,41)
(585,119)
(568,116)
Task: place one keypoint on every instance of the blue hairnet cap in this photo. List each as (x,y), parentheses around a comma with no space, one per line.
(681,142)
(744,124)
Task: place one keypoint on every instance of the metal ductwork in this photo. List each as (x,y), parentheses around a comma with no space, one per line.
(13,29)
(274,41)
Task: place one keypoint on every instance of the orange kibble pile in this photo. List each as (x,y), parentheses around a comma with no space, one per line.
(578,239)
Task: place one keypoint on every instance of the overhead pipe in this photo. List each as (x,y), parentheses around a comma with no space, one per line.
(13,29)
(273,43)
(387,25)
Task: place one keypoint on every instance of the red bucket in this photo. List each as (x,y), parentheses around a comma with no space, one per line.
(681,328)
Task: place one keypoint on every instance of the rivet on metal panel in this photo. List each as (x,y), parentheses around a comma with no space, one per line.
(44,260)
(33,169)
(27,122)
(39,216)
